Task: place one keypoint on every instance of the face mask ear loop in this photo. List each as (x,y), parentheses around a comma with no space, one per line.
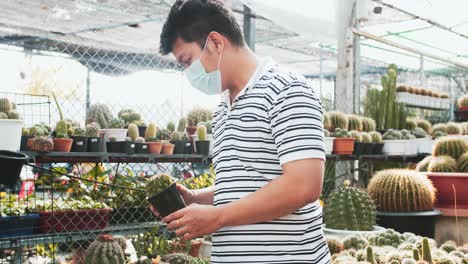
(219,61)
(204,47)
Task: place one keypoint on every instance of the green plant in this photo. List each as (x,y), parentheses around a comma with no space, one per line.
(171,126)
(178,258)
(392,134)
(442,164)
(354,242)
(366,138)
(198,115)
(116,123)
(424,124)
(201,132)
(79,132)
(150,243)
(426,251)
(209,127)
(449,146)
(101,114)
(112,139)
(326,121)
(158,183)
(411,124)
(13,114)
(139,140)
(338,120)
(368,124)
(37,131)
(92,130)
(401,190)
(454,129)
(439,134)
(105,249)
(133,131)
(356,135)
(370,256)
(416,255)
(163,135)
(376,137)
(439,127)
(5,105)
(25,131)
(181,127)
(462,162)
(3,115)
(423,164)
(461,102)
(340,133)
(61,128)
(151,131)
(419,133)
(349,208)
(129,116)
(335,246)
(354,123)
(449,246)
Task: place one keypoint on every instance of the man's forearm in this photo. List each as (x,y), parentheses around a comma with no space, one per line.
(204,196)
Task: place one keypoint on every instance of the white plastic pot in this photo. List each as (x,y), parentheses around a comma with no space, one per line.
(425,145)
(11,134)
(205,249)
(411,147)
(402,97)
(394,147)
(341,234)
(329,145)
(119,133)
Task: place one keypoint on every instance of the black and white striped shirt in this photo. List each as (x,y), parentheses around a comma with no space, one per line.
(275,120)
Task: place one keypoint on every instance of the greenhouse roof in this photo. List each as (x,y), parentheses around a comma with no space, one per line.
(298,33)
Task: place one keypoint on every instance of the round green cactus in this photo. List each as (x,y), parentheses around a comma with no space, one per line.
(133,131)
(353,242)
(439,127)
(101,114)
(326,121)
(105,250)
(338,120)
(442,164)
(376,137)
(462,163)
(449,146)
(356,135)
(171,126)
(198,115)
(419,133)
(340,133)
(177,258)
(401,190)
(349,208)
(5,105)
(366,137)
(182,125)
(139,140)
(92,130)
(335,246)
(354,123)
(439,134)
(411,124)
(368,124)
(13,114)
(423,164)
(454,129)
(392,134)
(424,124)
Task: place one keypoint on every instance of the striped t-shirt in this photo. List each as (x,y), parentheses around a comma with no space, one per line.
(275,120)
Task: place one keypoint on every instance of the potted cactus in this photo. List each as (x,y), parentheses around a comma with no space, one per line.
(141,146)
(338,120)
(358,145)
(202,145)
(25,136)
(61,141)
(94,141)
(154,145)
(129,116)
(354,123)
(423,141)
(404,200)
(164,136)
(344,143)
(377,144)
(163,195)
(10,125)
(116,129)
(328,142)
(179,139)
(393,143)
(349,211)
(105,249)
(366,141)
(196,116)
(368,124)
(80,140)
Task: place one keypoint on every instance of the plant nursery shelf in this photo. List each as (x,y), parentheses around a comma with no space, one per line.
(399,158)
(426,107)
(93,157)
(32,240)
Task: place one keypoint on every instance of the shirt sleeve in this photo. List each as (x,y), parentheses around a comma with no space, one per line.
(296,119)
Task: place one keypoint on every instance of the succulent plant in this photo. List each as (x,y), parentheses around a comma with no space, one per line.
(338,120)
(349,208)
(423,164)
(416,255)
(439,127)
(354,123)
(128,139)
(462,163)
(376,137)
(163,135)
(116,123)
(442,164)
(392,134)
(171,126)
(43,144)
(92,130)
(340,133)
(37,131)
(209,127)
(335,246)
(201,132)
(401,190)
(133,131)
(105,249)
(370,255)
(354,242)
(3,115)
(366,138)
(158,183)
(182,125)
(112,139)
(424,124)
(439,134)
(426,251)
(178,258)
(176,136)
(419,133)
(454,129)
(13,114)
(461,102)
(129,116)
(411,124)
(326,121)
(151,130)
(101,114)
(198,115)
(449,246)
(25,131)
(5,105)
(139,140)
(79,132)
(450,146)
(61,129)
(356,135)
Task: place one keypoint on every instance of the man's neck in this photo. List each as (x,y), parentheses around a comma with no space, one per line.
(242,68)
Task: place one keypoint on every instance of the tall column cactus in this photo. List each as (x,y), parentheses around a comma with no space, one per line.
(426,251)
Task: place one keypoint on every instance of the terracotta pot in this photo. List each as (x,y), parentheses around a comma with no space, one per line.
(443,182)
(30,143)
(167,149)
(155,147)
(343,146)
(62,144)
(193,251)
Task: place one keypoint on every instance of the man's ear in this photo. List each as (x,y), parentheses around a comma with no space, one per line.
(217,41)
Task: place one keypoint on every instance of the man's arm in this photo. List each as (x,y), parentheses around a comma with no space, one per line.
(204,196)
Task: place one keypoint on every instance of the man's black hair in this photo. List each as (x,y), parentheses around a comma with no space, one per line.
(193,20)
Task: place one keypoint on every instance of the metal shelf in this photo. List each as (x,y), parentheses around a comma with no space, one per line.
(379,157)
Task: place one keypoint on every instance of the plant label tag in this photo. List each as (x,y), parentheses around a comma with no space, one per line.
(94,140)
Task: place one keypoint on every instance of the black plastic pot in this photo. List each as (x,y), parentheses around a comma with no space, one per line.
(128,147)
(131,215)
(167,201)
(142,130)
(377,149)
(24,141)
(141,148)
(189,147)
(80,144)
(114,147)
(368,148)
(359,148)
(11,164)
(179,147)
(419,223)
(203,147)
(94,144)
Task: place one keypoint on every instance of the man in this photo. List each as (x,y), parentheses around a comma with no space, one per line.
(268,145)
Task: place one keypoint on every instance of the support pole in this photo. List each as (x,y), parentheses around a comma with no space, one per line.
(88,89)
(321,70)
(422,75)
(249,28)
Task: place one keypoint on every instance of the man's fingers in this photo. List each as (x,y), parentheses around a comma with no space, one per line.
(174,216)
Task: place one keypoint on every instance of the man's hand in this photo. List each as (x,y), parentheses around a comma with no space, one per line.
(194,221)
(187,195)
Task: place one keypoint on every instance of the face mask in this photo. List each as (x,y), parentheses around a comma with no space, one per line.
(207,82)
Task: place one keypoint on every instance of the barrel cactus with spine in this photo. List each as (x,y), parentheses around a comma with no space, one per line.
(376,137)
(326,121)
(182,125)
(424,124)
(133,131)
(423,164)
(462,163)
(101,114)
(92,129)
(201,132)
(178,258)
(349,208)
(419,133)
(401,190)
(356,135)
(450,146)
(366,138)
(5,105)
(338,120)
(13,114)
(105,250)
(198,115)
(354,123)
(442,164)
(368,124)
(151,131)
(411,124)
(439,127)
(454,129)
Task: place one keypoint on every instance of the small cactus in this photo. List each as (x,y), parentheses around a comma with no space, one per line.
(129,116)
(426,251)
(178,258)
(5,105)
(424,124)
(13,114)
(182,125)
(92,130)
(101,114)
(416,255)
(439,127)
(462,163)
(338,120)
(198,115)
(158,183)
(201,132)
(112,139)
(128,139)
(419,133)
(368,124)
(376,137)
(335,246)
(340,133)
(366,138)
(176,136)
(171,126)
(454,129)
(442,164)
(133,131)
(151,131)
(116,123)
(163,135)
(411,124)
(356,135)
(139,140)
(105,249)
(423,164)
(370,256)
(354,123)
(37,131)
(79,132)
(450,146)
